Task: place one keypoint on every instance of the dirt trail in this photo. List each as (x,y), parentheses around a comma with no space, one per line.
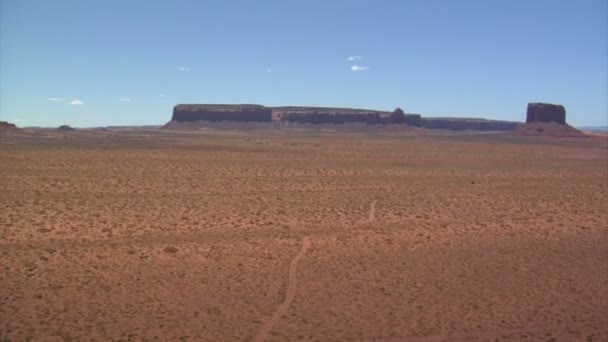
(372,211)
(291,292)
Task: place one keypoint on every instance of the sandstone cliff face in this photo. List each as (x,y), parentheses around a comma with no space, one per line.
(546,112)
(314,115)
(242,113)
(326,117)
(461,124)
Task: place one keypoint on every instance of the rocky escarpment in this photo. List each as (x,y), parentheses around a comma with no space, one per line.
(194,116)
(548,129)
(242,113)
(7,127)
(318,115)
(461,124)
(546,112)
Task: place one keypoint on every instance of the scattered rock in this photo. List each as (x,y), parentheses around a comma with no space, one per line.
(170,250)
(215,311)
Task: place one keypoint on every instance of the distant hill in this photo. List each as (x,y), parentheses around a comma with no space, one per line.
(594,128)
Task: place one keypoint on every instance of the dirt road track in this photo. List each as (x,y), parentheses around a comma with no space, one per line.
(372,211)
(291,292)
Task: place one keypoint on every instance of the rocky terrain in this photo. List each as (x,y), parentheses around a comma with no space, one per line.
(286,234)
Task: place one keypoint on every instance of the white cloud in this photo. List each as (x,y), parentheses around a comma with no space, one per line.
(56,99)
(76,102)
(125,99)
(358,68)
(354,58)
(268,70)
(182,69)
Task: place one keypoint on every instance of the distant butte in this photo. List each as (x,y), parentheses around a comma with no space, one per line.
(66,128)
(7,127)
(546,112)
(547,119)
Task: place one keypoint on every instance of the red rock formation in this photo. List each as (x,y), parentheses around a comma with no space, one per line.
(329,117)
(397,116)
(242,113)
(317,115)
(546,112)
(66,128)
(548,120)
(7,126)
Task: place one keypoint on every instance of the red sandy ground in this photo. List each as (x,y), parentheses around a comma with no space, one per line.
(292,235)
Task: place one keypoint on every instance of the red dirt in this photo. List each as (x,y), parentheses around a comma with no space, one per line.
(147,235)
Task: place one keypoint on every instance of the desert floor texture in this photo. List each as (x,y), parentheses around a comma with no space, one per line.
(296,234)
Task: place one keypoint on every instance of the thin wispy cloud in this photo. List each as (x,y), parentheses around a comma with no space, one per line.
(358,68)
(56,99)
(125,99)
(184,69)
(354,58)
(162,96)
(268,70)
(76,102)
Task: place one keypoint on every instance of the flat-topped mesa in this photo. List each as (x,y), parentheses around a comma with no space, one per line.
(319,115)
(7,126)
(546,112)
(213,112)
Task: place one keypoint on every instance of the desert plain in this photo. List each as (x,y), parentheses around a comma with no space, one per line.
(302,234)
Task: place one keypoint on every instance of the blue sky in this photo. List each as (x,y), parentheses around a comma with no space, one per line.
(90,63)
